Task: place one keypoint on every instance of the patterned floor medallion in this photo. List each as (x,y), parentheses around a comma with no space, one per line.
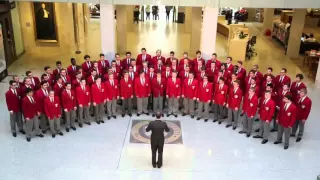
(139,134)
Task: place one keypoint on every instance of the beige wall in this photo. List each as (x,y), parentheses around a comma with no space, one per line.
(17,31)
(65,30)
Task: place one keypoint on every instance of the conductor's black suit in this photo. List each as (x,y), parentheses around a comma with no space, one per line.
(157,128)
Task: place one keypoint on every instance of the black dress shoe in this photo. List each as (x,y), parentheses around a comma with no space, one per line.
(88,123)
(106,111)
(159,166)
(264,141)
(22,132)
(92,115)
(257,130)
(114,117)
(60,133)
(257,136)
(138,114)
(80,125)
(130,115)
(168,115)
(102,121)
(234,127)
(147,114)
(192,116)
(215,120)
(53,135)
(184,114)
(198,119)
(257,119)
(241,115)
(67,129)
(292,135)
(28,139)
(248,135)
(241,132)
(40,135)
(277,142)
(225,117)
(219,122)
(14,134)
(298,139)
(74,128)
(228,125)
(175,115)
(44,131)
(153,115)
(154,165)
(162,115)
(76,120)
(109,117)
(205,120)
(273,130)
(122,115)
(286,147)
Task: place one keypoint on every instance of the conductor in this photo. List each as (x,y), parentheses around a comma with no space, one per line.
(157,128)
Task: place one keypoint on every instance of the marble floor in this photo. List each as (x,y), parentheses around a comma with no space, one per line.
(209,151)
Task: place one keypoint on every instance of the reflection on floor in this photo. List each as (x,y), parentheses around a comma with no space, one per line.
(209,151)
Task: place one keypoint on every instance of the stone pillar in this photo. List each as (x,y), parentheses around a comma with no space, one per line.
(188,19)
(251,13)
(130,25)
(296,29)
(195,35)
(108,33)
(268,14)
(209,31)
(121,28)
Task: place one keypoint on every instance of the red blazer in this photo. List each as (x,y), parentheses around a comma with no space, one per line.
(40,96)
(295,90)
(83,96)
(286,80)
(52,109)
(205,92)
(173,90)
(85,67)
(158,89)
(56,72)
(148,59)
(90,80)
(263,87)
(218,64)
(13,101)
(67,79)
(99,71)
(156,68)
(196,68)
(72,72)
(303,108)
(29,109)
(98,95)
(103,65)
(235,98)
(199,77)
(266,111)
(135,75)
(241,74)
(181,62)
(168,61)
(195,61)
(75,83)
(226,75)
(265,77)
(247,83)
(126,88)
(111,91)
(115,76)
(259,76)
(250,106)
(125,64)
(176,68)
(142,91)
(211,73)
(149,75)
(220,95)
(58,90)
(36,83)
(230,68)
(287,118)
(154,60)
(182,76)
(164,74)
(190,91)
(68,101)
(280,97)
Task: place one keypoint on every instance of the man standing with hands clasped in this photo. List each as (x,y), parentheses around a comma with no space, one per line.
(157,128)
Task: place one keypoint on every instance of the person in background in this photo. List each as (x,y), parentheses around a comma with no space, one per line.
(148,10)
(154,12)
(142,13)
(52,109)
(168,9)
(157,129)
(13,99)
(136,13)
(311,38)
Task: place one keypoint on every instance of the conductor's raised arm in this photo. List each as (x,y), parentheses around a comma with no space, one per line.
(149,127)
(166,128)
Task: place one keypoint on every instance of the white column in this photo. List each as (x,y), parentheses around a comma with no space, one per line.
(209,31)
(268,14)
(195,29)
(108,31)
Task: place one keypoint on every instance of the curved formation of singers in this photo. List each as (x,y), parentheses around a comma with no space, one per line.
(196,87)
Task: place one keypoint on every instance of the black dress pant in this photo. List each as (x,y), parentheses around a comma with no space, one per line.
(157,146)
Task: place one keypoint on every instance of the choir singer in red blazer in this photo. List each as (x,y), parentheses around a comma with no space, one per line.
(30,113)
(158,56)
(52,109)
(126,93)
(303,110)
(143,57)
(250,106)
(173,92)
(204,98)
(13,99)
(142,91)
(40,95)
(296,87)
(282,79)
(98,99)
(112,95)
(233,104)
(87,65)
(286,119)
(158,87)
(266,111)
(84,101)
(220,99)
(103,63)
(69,106)
(189,95)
